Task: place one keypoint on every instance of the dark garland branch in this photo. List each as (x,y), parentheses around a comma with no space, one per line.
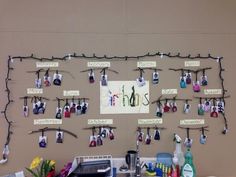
(53,129)
(194,128)
(221,69)
(37,72)
(95,57)
(189,70)
(98,127)
(172,99)
(9,101)
(148,127)
(213,98)
(69,98)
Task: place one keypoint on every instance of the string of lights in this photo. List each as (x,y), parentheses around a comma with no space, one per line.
(224,91)
(9,123)
(96,57)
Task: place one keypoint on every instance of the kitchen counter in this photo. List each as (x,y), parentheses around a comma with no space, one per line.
(130,175)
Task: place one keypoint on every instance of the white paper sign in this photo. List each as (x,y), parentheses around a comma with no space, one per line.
(71,93)
(192,63)
(192,122)
(100,121)
(149,121)
(47,64)
(212,91)
(98,64)
(47,121)
(169,91)
(34,91)
(146,64)
(124,97)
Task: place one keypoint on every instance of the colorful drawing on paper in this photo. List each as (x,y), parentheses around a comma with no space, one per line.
(124,97)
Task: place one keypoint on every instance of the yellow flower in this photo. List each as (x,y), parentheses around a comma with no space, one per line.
(52,163)
(35,163)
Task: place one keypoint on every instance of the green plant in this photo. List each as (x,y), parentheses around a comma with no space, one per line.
(42,168)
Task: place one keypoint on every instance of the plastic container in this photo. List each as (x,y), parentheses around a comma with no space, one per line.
(164,158)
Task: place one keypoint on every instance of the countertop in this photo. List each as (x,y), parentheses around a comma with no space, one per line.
(130,175)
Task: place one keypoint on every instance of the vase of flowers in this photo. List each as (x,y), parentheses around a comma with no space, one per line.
(42,168)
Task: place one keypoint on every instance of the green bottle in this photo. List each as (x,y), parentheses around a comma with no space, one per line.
(188,169)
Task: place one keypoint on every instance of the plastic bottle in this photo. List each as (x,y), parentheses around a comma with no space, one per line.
(188,169)
(179,154)
(174,172)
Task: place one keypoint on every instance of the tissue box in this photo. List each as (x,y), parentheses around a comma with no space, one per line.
(164,158)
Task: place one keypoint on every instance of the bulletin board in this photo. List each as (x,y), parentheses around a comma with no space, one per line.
(125,122)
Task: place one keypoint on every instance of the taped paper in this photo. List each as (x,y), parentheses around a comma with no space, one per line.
(47,121)
(146,64)
(47,64)
(192,122)
(100,121)
(71,93)
(169,91)
(98,64)
(34,91)
(149,121)
(192,63)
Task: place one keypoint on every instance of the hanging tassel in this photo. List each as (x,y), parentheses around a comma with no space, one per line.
(203,137)
(157,134)
(148,138)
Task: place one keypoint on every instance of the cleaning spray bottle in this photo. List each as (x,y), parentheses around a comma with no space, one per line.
(188,169)
(178,159)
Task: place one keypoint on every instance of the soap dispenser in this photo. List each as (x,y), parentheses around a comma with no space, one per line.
(188,169)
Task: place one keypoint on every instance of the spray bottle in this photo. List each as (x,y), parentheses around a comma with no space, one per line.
(178,158)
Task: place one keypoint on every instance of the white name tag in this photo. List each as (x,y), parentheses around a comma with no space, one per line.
(146,64)
(98,64)
(71,93)
(47,64)
(34,91)
(192,63)
(47,121)
(100,121)
(169,91)
(192,122)
(213,91)
(149,121)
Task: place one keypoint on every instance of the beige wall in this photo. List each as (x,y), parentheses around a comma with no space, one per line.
(124,27)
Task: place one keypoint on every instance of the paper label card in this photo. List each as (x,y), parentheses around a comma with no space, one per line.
(169,91)
(213,91)
(124,97)
(192,63)
(100,121)
(34,91)
(192,122)
(47,121)
(47,64)
(149,121)
(146,64)
(98,64)
(71,93)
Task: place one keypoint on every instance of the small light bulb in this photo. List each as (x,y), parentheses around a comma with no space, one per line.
(162,55)
(69,57)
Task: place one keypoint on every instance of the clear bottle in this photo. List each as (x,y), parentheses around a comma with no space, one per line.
(188,169)
(179,154)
